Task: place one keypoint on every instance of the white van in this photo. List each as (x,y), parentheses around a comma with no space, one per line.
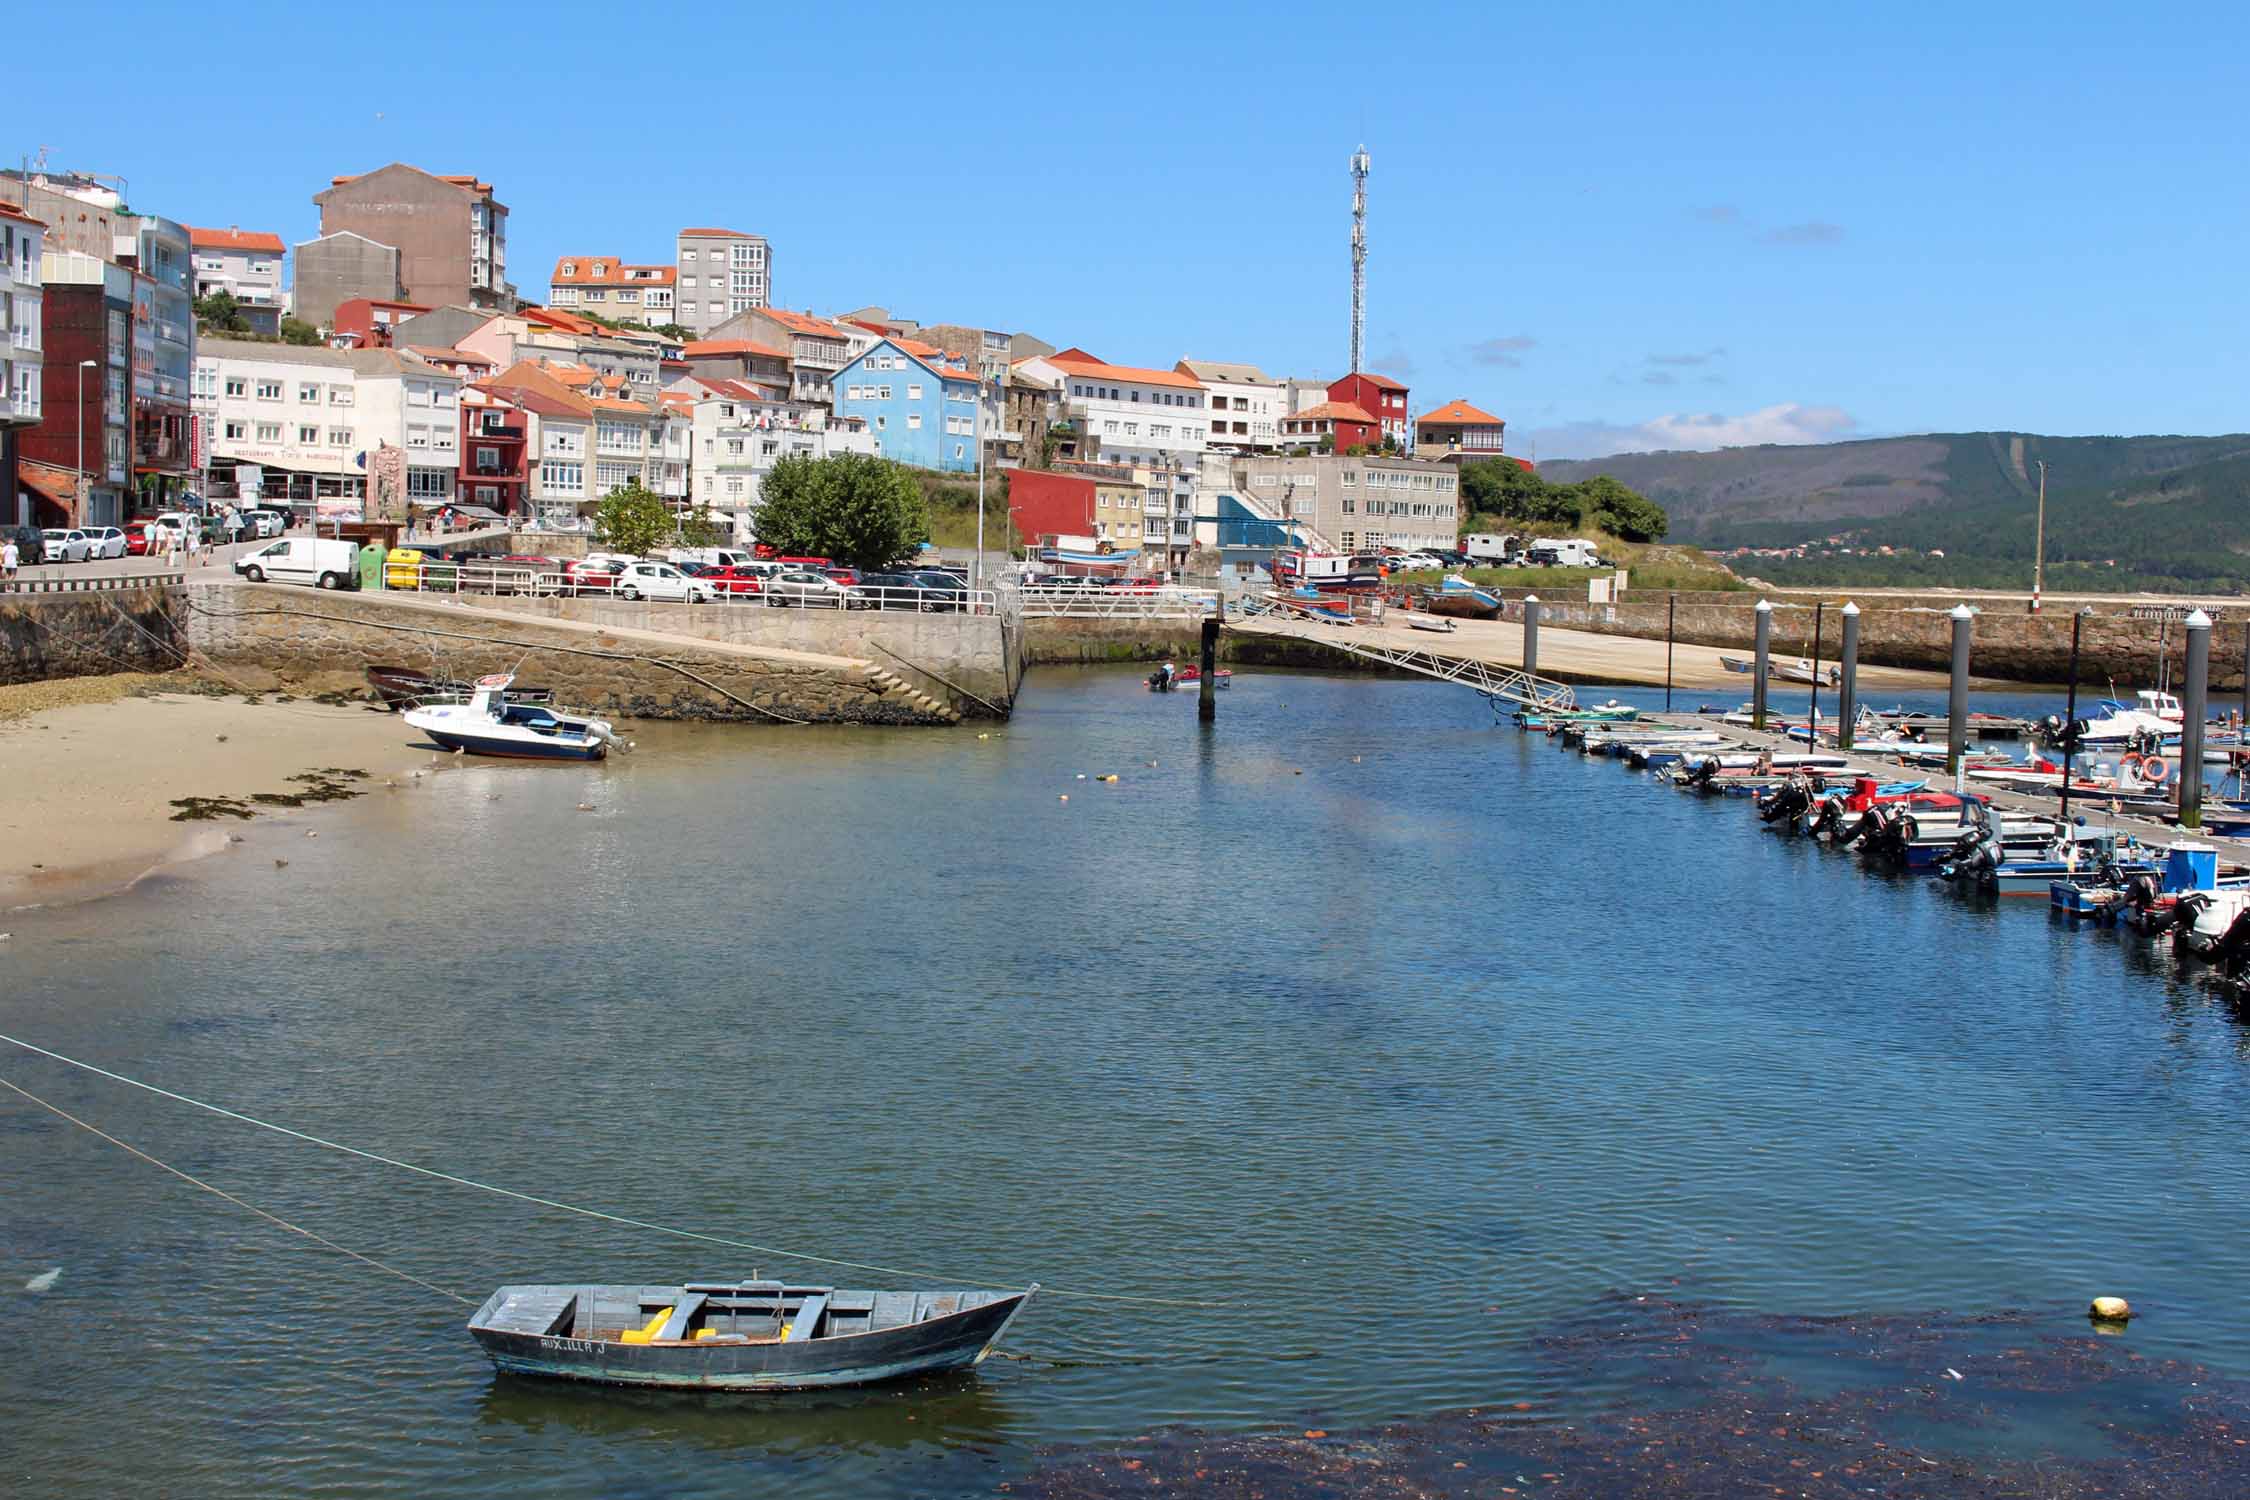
(322,561)
(182,523)
(1490,546)
(717,557)
(1566,552)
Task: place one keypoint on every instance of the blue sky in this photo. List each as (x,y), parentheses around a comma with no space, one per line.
(1619,227)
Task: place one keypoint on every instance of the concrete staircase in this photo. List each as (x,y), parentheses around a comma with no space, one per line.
(1270,510)
(888,684)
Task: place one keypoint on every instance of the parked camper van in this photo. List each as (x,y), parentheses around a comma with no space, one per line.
(324,562)
(1566,552)
(1491,548)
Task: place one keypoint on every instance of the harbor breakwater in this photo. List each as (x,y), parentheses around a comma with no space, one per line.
(611,667)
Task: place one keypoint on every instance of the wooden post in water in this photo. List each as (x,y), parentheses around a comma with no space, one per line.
(1957,702)
(1847,678)
(1207,699)
(1759,665)
(2070,712)
(1812,714)
(2192,706)
(1672,603)
(1531,635)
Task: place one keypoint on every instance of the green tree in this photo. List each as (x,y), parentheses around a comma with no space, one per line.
(632,518)
(858,509)
(220,313)
(1621,511)
(1500,487)
(298,331)
(699,529)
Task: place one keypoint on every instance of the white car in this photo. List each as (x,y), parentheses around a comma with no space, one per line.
(268,522)
(1417,562)
(104,541)
(655,580)
(63,546)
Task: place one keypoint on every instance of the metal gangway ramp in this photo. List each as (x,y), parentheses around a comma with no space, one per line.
(1271,615)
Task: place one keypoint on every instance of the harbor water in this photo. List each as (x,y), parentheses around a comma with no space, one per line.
(1316,1066)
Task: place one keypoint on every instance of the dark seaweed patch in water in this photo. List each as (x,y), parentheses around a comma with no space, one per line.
(328,784)
(1730,1403)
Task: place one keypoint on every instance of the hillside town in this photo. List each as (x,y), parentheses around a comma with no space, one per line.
(388,368)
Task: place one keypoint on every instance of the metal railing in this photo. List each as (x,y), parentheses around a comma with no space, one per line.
(1123,603)
(1274,616)
(87,584)
(499,579)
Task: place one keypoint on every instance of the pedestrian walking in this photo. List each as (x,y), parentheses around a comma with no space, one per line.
(10,558)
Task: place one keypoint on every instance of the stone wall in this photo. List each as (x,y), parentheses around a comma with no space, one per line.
(615,670)
(45,636)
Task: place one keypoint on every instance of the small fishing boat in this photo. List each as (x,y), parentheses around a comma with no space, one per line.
(403,687)
(1455,595)
(494,722)
(738,1336)
(1192,677)
(1803,670)
(1741,664)
(1437,623)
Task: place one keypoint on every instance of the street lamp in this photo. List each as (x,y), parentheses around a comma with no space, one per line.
(82,518)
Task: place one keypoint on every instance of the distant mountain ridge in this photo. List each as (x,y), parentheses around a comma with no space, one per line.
(2164,510)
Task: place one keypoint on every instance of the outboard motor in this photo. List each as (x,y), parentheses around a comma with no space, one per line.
(1827,819)
(1785,802)
(2232,955)
(2143,901)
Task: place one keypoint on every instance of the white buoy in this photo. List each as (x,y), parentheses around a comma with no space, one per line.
(2110,1309)
(44,1280)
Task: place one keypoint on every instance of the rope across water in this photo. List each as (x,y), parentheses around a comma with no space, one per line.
(674,1231)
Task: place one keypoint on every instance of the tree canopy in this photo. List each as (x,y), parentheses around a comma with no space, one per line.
(632,518)
(1504,488)
(862,511)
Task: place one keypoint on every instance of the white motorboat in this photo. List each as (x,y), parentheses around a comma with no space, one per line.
(1438,623)
(491,723)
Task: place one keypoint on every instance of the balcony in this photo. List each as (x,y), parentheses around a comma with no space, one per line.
(497,432)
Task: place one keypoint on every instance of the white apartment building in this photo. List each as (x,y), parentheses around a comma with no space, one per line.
(1156,422)
(736,439)
(720,273)
(1358,504)
(22,243)
(295,425)
(609,288)
(1247,404)
(246,265)
(559,478)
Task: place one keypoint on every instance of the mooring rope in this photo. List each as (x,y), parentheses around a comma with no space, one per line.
(188,1177)
(572,1208)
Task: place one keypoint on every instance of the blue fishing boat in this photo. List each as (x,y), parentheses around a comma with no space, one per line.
(1455,595)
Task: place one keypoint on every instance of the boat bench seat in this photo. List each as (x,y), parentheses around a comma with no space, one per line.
(675,1327)
(807,1321)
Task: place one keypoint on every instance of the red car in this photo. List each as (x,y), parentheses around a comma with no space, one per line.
(735,580)
(848,577)
(590,578)
(138,538)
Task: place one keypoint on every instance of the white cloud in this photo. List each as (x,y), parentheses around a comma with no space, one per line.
(1698,432)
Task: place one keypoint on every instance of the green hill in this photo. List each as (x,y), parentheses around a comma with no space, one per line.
(2164,513)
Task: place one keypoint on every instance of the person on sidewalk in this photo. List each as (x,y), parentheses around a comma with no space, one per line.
(10,558)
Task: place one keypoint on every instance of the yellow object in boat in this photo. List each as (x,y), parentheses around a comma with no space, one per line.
(648,1334)
(785,1331)
(705,1333)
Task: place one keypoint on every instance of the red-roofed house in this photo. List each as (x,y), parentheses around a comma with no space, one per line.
(244,264)
(1380,397)
(817,348)
(496,446)
(1458,432)
(367,322)
(606,285)
(1345,425)
(719,274)
(747,360)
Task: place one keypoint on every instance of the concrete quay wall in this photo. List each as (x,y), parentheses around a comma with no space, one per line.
(1084,642)
(2017,646)
(86,634)
(609,668)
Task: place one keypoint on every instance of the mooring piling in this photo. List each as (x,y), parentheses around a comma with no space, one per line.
(1207,691)
(1531,635)
(2192,704)
(1760,667)
(1847,677)
(1957,702)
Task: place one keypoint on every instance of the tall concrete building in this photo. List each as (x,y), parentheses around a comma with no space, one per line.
(339,268)
(720,274)
(451,232)
(22,240)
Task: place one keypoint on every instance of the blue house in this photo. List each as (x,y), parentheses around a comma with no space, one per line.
(919,401)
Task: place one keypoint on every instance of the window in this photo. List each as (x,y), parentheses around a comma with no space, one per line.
(609,477)
(734,486)
(206,382)
(237,386)
(269,390)
(308,393)
(734,447)
(339,395)
(1350,505)
(1351,478)
(237,431)
(269,432)
(417,437)
(565,443)
(914,421)
(555,476)
(570,268)
(339,437)
(958,450)
(309,436)
(882,393)
(1132,429)
(914,392)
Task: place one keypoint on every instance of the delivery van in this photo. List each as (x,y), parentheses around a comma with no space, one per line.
(323,562)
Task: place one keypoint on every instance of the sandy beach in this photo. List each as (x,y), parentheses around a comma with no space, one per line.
(90,783)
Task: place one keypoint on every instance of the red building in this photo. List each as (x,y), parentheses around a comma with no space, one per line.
(495,453)
(1345,424)
(90,413)
(366,322)
(1044,503)
(1380,396)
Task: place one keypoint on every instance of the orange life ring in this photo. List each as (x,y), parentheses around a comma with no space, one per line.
(2154,770)
(2131,762)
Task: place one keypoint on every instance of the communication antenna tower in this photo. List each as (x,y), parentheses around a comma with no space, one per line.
(1359,253)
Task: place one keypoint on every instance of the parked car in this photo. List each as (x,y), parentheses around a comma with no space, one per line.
(517,573)
(906,591)
(743,581)
(31,543)
(583,576)
(142,538)
(186,522)
(65,544)
(324,562)
(234,526)
(695,569)
(951,586)
(845,576)
(809,590)
(270,522)
(104,541)
(710,557)
(658,580)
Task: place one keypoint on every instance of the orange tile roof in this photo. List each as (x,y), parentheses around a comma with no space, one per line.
(528,384)
(562,322)
(723,234)
(1331,411)
(604,403)
(804,323)
(606,270)
(1462,413)
(1088,365)
(1381,382)
(714,347)
(10,211)
(233,239)
(453,356)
